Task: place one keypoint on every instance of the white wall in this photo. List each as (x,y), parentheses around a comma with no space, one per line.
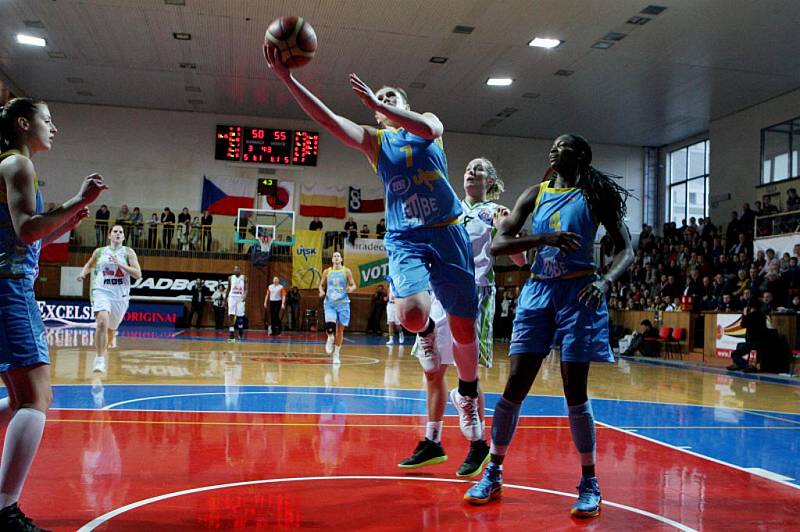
(154,159)
(736,153)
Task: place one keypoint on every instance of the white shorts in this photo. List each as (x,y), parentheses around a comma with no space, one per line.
(236,306)
(115,306)
(391,314)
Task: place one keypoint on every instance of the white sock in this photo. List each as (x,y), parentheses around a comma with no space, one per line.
(483,429)
(22,441)
(466,358)
(5,412)
(433,430)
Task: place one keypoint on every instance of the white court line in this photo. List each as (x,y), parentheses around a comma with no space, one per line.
(698,455)
(138,504)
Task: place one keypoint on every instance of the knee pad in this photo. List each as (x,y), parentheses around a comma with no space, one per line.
(581,424)
(330,327)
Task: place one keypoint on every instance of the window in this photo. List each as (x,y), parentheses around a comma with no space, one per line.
(688,183)
(779,151)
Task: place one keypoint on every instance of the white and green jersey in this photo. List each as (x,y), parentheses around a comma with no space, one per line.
(478,220)
(109,278)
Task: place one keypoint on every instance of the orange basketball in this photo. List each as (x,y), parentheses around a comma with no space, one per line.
(294,38)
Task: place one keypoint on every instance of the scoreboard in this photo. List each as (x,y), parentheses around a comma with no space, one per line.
(266,146)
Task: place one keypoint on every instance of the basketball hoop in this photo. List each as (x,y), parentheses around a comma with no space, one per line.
(262,250)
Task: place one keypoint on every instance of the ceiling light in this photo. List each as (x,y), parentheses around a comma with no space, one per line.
(30,40)
(438,59)
(175,2)
(653,10)
(638,21)
(540,42)
(182,36)
(499,82)
(564,73)
(603,45)
(466,30)
(614,36)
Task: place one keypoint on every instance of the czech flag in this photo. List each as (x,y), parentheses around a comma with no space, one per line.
(226,195)
(57,250)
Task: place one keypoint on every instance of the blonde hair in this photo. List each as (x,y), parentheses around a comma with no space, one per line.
(494,191)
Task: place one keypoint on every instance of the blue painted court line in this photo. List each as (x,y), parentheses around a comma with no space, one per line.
(766,440)
(775,379)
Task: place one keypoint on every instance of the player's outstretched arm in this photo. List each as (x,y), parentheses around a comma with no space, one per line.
(89,265)
(18,175)
(425,125)
(362,138)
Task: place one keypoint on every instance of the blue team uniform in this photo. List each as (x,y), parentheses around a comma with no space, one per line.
(22,333)
(337,302)
(426,246)
(548,311)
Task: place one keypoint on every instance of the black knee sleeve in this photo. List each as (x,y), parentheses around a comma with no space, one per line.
(330,327)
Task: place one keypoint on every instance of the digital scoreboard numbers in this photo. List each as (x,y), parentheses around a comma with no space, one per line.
(305,148)
(266,146)
(229,143)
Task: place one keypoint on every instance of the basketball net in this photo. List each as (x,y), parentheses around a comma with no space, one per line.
(262,250)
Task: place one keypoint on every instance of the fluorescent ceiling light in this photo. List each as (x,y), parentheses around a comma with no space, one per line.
(31,40)
(544,43)
(499,82)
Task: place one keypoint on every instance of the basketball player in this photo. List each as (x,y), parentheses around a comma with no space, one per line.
(392,322)
(237,296)
(26,129)
(337,281)
(427,247)
(562,304)
(114,265)
(481,187)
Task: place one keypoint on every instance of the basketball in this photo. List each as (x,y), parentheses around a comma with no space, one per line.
(294,38)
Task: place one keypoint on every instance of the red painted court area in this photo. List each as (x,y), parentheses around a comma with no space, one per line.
(338,472)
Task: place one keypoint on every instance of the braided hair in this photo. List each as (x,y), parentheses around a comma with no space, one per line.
(605,198)
(14,109)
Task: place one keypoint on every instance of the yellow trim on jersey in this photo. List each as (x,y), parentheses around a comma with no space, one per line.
(451,221)
(556,190)
(378,143)
(538,199)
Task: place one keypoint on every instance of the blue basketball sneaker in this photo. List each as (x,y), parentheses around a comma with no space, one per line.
(490,487)
(588,504)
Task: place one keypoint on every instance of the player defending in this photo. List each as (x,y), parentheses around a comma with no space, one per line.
(237,296)
(562,304)
(426,245)
(26,129)
(481,187)
(114,265)
(337,281)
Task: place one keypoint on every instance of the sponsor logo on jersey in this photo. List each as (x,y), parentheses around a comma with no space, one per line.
(418,209)
(486,216)
(427,178)
(399,184)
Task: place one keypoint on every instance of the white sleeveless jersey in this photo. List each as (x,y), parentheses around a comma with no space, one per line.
(478,220)
(109,278)
(236,288)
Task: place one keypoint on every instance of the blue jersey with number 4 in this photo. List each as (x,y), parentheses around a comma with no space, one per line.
(414,175)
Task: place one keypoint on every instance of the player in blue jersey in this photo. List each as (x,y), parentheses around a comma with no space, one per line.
(562,305)
(426,245)
(26,128)
(337,281)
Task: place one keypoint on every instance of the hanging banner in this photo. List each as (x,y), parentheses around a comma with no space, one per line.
(367,259)
(307,259)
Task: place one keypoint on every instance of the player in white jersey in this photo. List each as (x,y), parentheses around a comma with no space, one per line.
(113,266)
(237,296)
(480,217)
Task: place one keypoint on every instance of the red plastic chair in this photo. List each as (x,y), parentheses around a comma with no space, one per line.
(664,334)
(678,335)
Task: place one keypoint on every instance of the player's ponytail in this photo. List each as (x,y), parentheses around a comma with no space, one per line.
(11,111)
(606,199)
(494,190)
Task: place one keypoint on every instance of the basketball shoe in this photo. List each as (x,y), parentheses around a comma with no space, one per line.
(13,520)
(490,486)
(99,364)
(428,452)
(429,359)
(477,457)
(468,420)
(589,499)
(329,344)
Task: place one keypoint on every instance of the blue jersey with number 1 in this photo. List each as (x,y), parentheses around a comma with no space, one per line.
(414,174)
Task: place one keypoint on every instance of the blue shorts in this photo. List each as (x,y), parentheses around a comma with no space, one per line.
(550,315)
(22,334)
(435,257)
(337,312)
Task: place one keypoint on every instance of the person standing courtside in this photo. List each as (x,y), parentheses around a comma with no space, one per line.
(199,295)
(275,300)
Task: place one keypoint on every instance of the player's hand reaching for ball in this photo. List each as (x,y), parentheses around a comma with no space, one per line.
(91,188)
(364,93)
(563,240)
(274,63)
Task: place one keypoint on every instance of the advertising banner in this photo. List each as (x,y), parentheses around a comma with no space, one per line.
(307,259)
(367,259)
(173,286)
(78,313)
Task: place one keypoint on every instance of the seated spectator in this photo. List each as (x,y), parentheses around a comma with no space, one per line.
(364,231)
(380,229)
(754,321)
(728,304)
(315,225)
(669,305)
(644,341)
(767,303)
(794,305)
(792,200)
